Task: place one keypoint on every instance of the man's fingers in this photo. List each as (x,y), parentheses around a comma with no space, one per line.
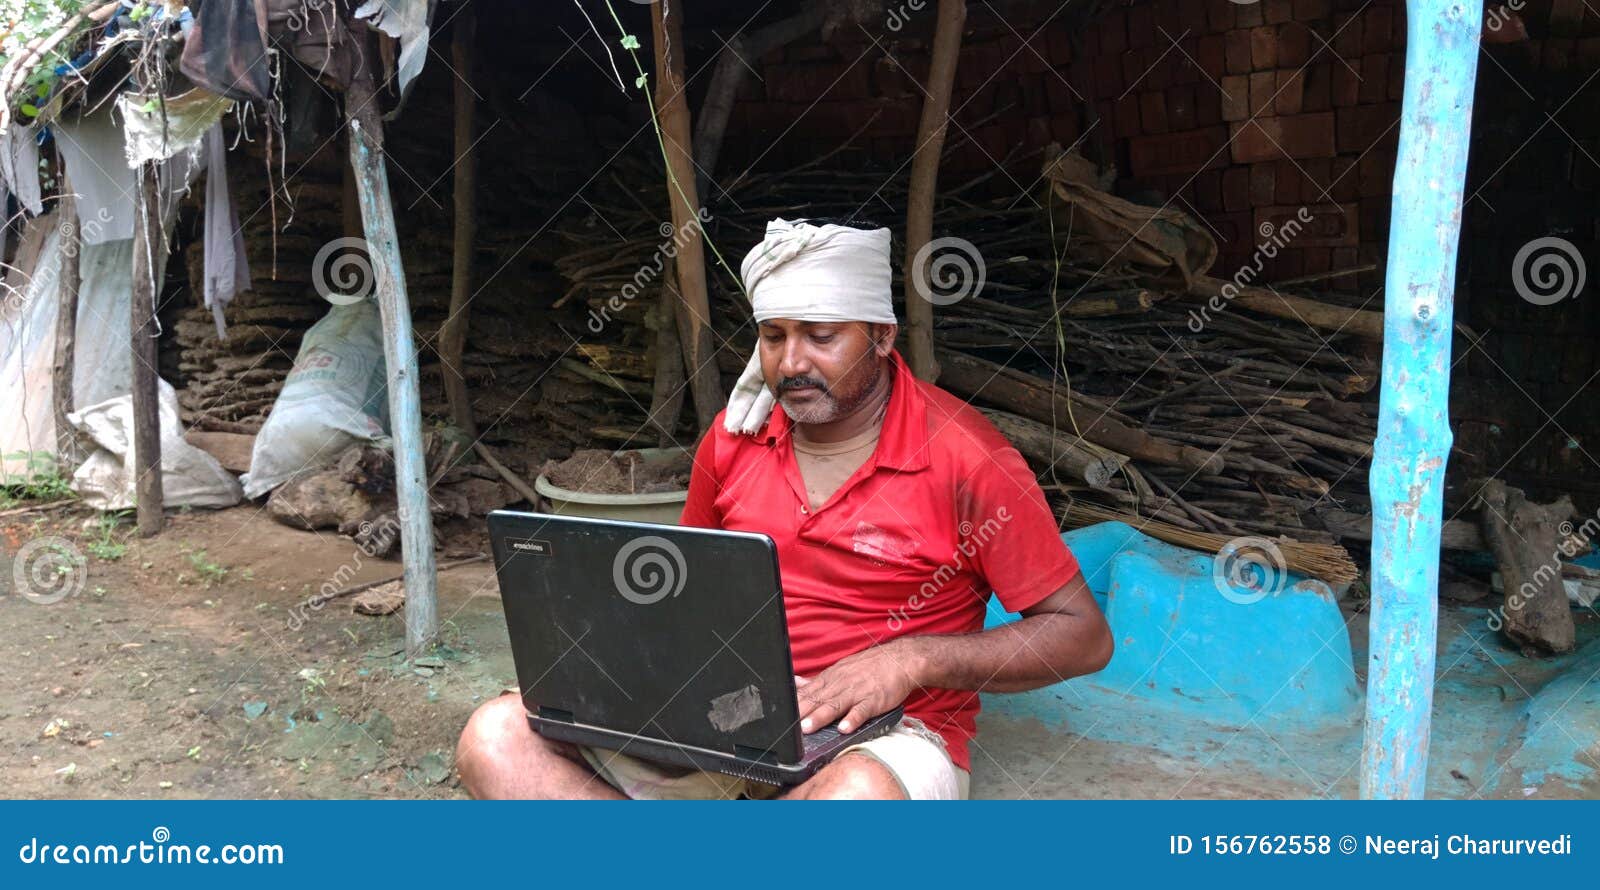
(817,712)
(859,713)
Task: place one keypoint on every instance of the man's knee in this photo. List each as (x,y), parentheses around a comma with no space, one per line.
(497,731)
(852,777)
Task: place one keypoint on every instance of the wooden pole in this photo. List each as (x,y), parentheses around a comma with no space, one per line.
(453,335)
(925,181)
(1413,444)
(694,307)
(71,245)
(400,354)
(146,391)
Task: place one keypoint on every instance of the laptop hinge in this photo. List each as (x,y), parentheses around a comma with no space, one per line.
(555,715)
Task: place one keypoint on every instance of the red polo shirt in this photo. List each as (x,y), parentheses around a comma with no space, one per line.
(942,513)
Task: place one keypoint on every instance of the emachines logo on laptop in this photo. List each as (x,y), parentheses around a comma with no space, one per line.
(649,569)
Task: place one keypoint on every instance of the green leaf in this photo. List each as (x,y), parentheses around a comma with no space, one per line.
(630,42)
(29,110)
(640,81)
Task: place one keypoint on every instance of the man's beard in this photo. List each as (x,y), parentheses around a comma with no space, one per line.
(829,404)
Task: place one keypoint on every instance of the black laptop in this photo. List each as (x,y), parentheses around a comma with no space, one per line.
(665,642)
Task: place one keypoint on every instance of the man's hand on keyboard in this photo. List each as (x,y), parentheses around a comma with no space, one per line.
(858,687)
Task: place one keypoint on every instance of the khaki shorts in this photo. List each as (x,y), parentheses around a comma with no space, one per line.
(914,753)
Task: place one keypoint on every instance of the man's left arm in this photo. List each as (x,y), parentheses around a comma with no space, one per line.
(1062,636)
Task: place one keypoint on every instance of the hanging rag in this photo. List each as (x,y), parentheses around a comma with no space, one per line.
(94,152)
(406,21)
(226,51)
(809,273)
(227,269)
(19,166)
(154,129)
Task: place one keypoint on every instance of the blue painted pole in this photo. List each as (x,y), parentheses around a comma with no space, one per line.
(1407,478)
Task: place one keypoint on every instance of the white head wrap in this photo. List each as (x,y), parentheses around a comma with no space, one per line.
(809,273)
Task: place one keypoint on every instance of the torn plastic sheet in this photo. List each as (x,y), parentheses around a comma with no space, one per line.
(155,130)
(406,21)
(19,166)
(92,147)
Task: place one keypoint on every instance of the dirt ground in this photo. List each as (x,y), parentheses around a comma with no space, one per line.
(188,666)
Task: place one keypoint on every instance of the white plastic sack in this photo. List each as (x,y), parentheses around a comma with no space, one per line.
(335,397)
(189,477)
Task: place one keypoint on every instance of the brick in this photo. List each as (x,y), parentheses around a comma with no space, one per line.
(1347,36)
(1108,76)
(1236,50)
(807,82)
(1331,225)
(1235,97)
(1290,94)
(1213,57)
(1346,185)
(1128,123)
(1397,77)
(1374,79)
(1208,190)
(1294,45)
(1162,66)
(1376,170)
(1309,10)
(1058,93)
(1262,85)
(1185,153)
(1277,12)
(1180,108)
(1134,71)
(1058,46)
(1142,27)
(1377,26)
(1346,86)
(1300,136)
(1192,17)
(1219,14)
(1263,184)
(1317,95)
(1365,126)
(1558,54)
(1318,179)
(1113,28)
(1264,47)
(1249,15)
(1153,112)
(1207,106)
(1236,188)
(1317,260)
(1290,182)
(1343,257)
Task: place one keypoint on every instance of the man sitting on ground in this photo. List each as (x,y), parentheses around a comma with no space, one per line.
(896,509)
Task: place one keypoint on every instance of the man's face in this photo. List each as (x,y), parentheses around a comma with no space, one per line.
(822,371)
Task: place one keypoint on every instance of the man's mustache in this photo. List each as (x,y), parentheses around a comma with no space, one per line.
(787,383)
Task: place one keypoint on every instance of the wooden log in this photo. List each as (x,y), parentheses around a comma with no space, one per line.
(147,247)
(1119,302)
(1457,534)
(972,377)
(672,111)
(453,334)
(952,17)
(1055,453)
(1526,539)
(1323,316)
(365,126)
(666,395)
(71,248)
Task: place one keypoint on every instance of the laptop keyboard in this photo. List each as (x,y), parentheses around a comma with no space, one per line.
(821,737)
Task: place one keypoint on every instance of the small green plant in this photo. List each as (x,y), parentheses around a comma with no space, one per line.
(210,571)
(106,544)
(41,481)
